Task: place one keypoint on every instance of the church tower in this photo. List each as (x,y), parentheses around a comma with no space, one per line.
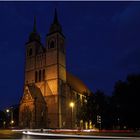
(56,73)
(33,108)
(31,50)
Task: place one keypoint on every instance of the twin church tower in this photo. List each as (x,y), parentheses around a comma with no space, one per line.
(49,88)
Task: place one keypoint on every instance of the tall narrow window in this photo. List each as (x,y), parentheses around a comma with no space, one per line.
(30,52)
(43,75)
(39,75)
(36,76)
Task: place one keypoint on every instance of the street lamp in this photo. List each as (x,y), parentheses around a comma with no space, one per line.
(71,105)
(7,110)
(12,123)
(11,115)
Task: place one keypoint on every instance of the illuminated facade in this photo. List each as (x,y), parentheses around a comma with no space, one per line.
(48,87)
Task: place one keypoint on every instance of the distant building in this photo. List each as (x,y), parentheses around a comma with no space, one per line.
(49,88)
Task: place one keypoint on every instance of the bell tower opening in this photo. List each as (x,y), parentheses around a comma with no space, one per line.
(51,45)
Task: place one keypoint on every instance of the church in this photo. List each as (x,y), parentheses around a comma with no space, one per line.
(51,95)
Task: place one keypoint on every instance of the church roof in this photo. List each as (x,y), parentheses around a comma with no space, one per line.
(77,84)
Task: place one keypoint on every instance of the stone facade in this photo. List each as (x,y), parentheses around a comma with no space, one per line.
(48,87)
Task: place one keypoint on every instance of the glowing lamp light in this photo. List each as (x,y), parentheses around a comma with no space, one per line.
(7,110)
(71,104)
(12,121)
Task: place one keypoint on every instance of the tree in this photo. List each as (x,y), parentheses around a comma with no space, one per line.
(125,101)
(2,119)
(95,109)
(101,109)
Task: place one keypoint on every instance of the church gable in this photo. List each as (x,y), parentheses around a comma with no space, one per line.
(31,93)
(27,95)
(33,109)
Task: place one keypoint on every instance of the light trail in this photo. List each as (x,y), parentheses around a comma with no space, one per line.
(74,136)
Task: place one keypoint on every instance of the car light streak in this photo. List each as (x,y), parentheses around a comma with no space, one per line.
(72,136)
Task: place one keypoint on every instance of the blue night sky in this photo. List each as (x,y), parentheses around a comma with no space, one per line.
(102,40)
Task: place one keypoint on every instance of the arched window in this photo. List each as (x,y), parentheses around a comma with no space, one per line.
(51,45)
(39,75)
(30,52)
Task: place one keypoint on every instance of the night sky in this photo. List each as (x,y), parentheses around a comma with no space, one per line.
(102,40)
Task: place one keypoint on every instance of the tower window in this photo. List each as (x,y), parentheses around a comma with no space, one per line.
(43,75)
(39,75)
(51,45)
(30,52)
(36,74)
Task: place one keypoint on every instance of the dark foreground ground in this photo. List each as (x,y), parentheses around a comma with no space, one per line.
(9,134)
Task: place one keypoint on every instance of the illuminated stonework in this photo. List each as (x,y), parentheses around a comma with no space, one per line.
(48,87)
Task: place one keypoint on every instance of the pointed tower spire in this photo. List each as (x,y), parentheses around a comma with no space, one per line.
(55,21)
(34,26)
(55,26)
(34,35)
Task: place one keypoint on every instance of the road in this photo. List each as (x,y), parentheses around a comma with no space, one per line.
(9,134)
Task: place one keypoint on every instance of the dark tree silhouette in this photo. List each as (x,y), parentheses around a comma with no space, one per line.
(120,111)
(100,109)
(96,109)
(125,101)
(2,119)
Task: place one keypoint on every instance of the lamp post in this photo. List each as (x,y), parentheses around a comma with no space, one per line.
(118,119)
(71,105)
(11,115)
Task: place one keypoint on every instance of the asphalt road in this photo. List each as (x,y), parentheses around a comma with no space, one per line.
(9,134)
